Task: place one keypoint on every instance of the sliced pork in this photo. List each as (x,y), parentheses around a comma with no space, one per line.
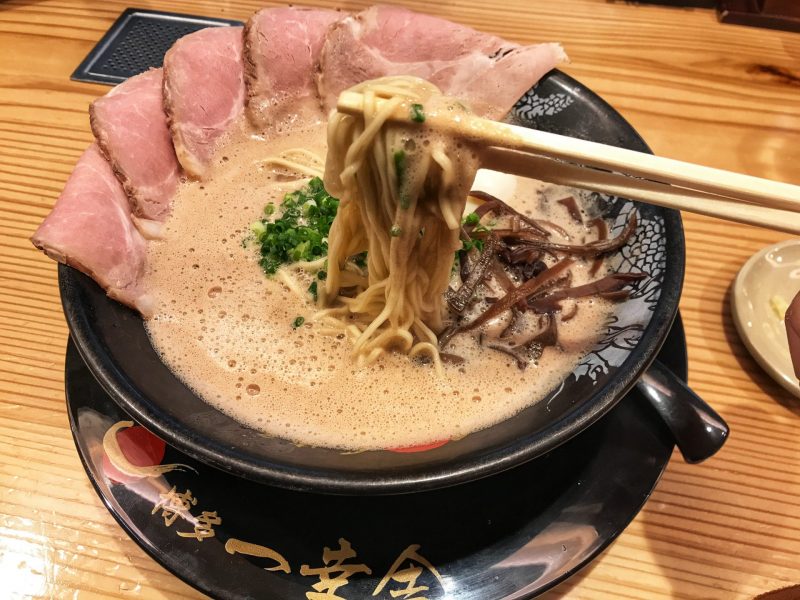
(487,71)
(287,63)
(493,90)
(90,228)
(203,92)
(281,49)
(131,129)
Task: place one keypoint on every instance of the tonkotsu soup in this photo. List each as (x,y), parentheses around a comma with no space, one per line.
(250,346)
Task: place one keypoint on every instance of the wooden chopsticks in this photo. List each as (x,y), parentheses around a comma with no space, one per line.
(617,171)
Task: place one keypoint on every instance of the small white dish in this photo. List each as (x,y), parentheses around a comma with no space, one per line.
(770,275)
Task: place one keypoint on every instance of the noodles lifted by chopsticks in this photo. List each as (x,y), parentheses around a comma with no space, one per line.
(402,192)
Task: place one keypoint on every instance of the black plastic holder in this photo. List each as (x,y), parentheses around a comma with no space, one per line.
(136,42)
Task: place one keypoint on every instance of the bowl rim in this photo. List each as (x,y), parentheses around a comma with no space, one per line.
(411,479)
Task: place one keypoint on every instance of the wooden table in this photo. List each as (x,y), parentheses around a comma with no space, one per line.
(718,95)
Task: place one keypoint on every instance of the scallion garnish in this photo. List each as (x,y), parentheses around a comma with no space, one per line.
(400,170)
(300,233)
(471,219)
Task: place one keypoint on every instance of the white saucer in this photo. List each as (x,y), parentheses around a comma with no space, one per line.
(773,272)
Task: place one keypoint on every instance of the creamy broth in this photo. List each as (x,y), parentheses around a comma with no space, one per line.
(227,330)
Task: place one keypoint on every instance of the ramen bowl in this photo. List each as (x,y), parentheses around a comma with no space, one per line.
(114,344)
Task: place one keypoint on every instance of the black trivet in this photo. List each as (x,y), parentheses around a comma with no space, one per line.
(137,41)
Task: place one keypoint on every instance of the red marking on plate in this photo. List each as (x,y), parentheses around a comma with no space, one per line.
(420,448)
(140,447)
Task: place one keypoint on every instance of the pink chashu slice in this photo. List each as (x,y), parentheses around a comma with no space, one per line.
(131,129)
(281,51)
(204,93)
(90,228)
(488,72)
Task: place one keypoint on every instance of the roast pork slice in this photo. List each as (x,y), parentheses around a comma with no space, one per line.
(281,55)
(90,228)
(493,85)
(203,93)
(131,129)
(405,36)
(485,70)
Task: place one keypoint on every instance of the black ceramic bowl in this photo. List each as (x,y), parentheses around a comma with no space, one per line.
(113,343)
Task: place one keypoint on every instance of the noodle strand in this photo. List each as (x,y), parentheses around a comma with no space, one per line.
(402,192)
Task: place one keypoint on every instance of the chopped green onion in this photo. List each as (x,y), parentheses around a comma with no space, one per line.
(312,289)
(400,170)
(468,245)
(257,228)
(400,165)
(471,219)
(300,233)
(417,114)
(298,321)
(474,220)
(395,231)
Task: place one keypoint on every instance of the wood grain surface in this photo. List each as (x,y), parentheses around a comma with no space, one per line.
(719,95)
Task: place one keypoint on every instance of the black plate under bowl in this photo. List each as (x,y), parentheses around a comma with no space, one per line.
(512,535)
(114,344)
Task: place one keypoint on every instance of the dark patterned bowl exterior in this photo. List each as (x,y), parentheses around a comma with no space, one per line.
(113,343)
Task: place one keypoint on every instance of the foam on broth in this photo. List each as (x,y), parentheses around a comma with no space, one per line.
(225,329)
